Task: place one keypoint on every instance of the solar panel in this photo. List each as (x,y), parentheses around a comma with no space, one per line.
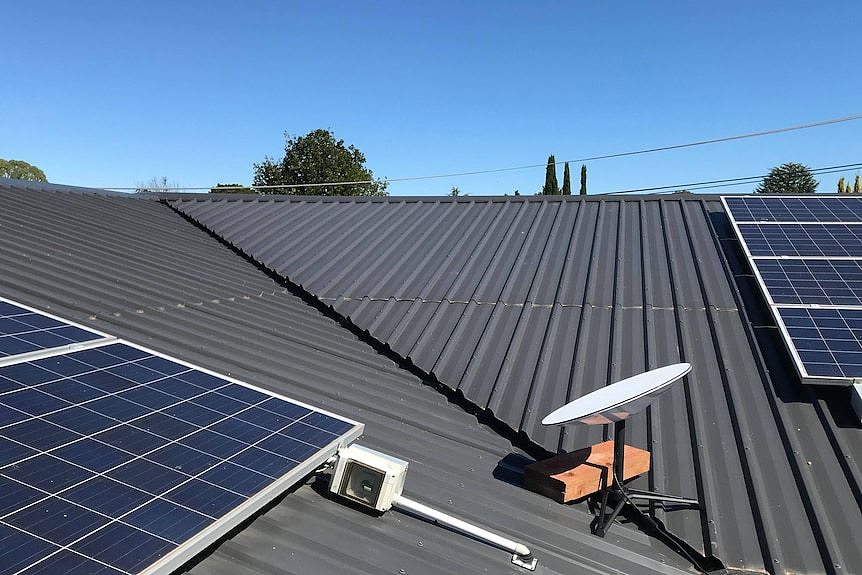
(819,240)
(812,281)
(828,341)
(23,330)
(118,460)
(806,253)
(794,209)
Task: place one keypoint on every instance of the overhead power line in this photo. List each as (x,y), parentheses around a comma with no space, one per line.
(648,150)
(728,181)
(531,166)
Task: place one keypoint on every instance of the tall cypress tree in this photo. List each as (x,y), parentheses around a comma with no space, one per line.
(841,185)
(567,182)
(857,185)
(550,188)
(583,179)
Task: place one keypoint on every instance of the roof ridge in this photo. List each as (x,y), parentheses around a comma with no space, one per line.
(33,186)
(275,198)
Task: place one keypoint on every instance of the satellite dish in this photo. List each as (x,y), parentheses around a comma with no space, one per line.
(614,404)
(619,400)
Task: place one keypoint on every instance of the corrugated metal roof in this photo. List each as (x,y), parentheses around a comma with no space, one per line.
(139,271)
(521,304)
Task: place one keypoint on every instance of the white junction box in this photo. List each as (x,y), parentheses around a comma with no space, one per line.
(368,477)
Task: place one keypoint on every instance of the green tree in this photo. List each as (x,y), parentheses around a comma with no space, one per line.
(583,179)
(318,158)
(857,185)
(455,192)
(21,170)
(231,189)
(567,181)
(841,188)
(550,188)
(788,178)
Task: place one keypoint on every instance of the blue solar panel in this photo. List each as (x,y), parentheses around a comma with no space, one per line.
(812,282)
(794,209)
(821,240)
(809,257)
(828,341)
(24,331)
(113,459)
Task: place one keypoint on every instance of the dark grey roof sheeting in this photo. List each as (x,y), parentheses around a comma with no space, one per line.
(27,185)
(488,295)
(521,304)
(139,271)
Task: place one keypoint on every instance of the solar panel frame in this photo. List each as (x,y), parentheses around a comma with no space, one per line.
(222,525)
(731,206)
(100,338)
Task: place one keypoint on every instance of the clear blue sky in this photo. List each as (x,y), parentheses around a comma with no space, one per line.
(115,93)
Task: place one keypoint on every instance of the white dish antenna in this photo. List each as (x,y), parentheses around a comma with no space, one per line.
(614,404)
(620,400)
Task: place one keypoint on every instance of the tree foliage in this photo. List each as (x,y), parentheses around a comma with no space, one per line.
(21,170)
(788,178)
(583,180)
(567,181)
(846,188)
(318,158)
(551,188)
(455,191)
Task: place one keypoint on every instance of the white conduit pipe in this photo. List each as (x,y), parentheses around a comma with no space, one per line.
(521,553)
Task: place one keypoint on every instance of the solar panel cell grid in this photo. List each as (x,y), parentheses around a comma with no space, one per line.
(168,520)
(828,341)
(824,240)
(21,549)
(69,563)
(115,456)
(24,331)
(806,282)
(795,209)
